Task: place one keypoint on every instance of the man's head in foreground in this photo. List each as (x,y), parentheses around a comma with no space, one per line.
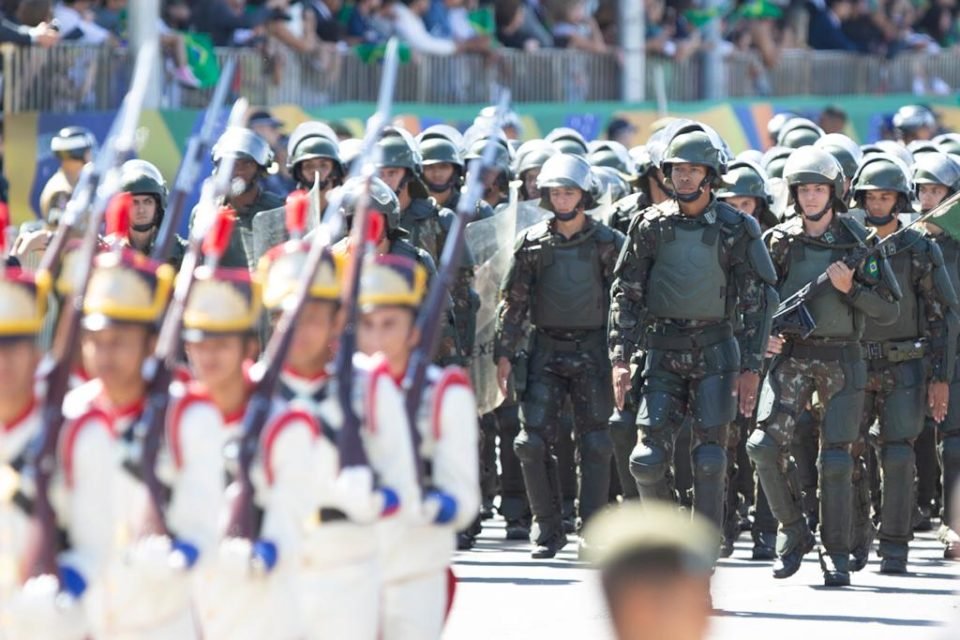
(655,566)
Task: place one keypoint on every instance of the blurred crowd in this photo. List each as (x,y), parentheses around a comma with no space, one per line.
(673,27)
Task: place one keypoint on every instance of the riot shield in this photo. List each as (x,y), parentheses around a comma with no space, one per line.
(491,243)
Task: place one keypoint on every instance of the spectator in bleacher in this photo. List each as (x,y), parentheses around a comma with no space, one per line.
(228,23)
(364,25)
(32,25)
(405,18)
(76,21)
(833,120)
(575,28)
(668,34)
(519,28)
(940,23)
(826,25)
(325,14)
(111,15)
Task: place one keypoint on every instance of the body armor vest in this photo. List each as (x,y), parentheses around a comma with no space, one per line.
(570,292)
(907,325)
(688,280)
(807,260)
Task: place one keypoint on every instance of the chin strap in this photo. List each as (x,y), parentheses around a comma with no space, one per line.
(814,217)
(691,197)
(879,222)
(443,186)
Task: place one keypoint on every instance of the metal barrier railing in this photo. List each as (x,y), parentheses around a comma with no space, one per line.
(81,78)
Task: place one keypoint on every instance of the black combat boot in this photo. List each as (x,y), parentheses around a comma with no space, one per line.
(788,563)
(836,570)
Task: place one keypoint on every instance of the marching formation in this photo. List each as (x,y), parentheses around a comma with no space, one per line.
(284,424)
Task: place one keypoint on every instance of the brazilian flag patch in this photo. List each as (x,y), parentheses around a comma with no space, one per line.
(873,268)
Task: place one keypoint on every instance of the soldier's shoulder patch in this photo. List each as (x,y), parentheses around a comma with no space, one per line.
(872,267)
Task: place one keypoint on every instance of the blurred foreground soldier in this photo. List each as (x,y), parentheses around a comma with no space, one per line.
(313,154)
(416,554)
(655,566)
(145,183)
(914,122)
(558,281)
(829,362)
(692,271)
(253,162)
(899,357)
(73,147)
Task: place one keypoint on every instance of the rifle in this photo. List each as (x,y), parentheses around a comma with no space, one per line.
(158,369)
(792,316)
(197,149)
(55,370)
(349,445)
(434,307)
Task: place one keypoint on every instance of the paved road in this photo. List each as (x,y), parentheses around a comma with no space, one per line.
(504,594)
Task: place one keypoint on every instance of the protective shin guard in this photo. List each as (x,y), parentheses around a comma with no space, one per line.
(596,449)
(780,483)
(709,481)
(648,466)
(896,516)
(542,481)
(836,500)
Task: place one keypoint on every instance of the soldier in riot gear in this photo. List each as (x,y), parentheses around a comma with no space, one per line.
(847,153)
(777,122)
(828,361)
(914,122)
(527,163)
(799,132)
(145,183)
(253,160)
(313,152)
(918,148)
(608,153)
(948,143)
(774,160)
(746,190)
(568,140)
(611,182)
(693,270)
(938,177)
(73,147)
(898,355)
(559,281)
(496,181)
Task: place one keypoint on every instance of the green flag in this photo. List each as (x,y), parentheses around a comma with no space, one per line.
(370,53)
(202,58)
(949,218)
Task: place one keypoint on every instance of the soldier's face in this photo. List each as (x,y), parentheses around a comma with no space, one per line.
(144,209)
(930,195)
(439,173)
(115,354)
(813,198)
(390,331)
(314,167)
(247,170)
(880,203)
(530,182)
(18,361)
(393,176)
(217,360)
(564,199)
(747,204)
(313,337)
(686,177)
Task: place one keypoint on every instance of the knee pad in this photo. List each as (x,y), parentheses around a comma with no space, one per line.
(709,460)
(595,446)
(648,465)
(897,456)
(763,450)
(836,465)
(530,446)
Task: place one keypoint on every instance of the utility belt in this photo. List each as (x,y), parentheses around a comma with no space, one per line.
(330,514)
(671,338)
(840,352)
(591,339)
(894,352)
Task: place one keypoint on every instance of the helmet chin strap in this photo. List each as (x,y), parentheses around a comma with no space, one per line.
(433,187)
(691,197)
(879,222)
(816,217)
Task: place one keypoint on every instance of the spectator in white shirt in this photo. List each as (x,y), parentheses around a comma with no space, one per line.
(76,21)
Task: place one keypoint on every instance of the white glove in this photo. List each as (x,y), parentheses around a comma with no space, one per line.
(356,496)
(40,612)
(149,585)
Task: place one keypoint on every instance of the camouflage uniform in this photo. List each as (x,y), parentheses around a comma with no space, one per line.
(897,372)
(560,287)
(682,285)
(828,362)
